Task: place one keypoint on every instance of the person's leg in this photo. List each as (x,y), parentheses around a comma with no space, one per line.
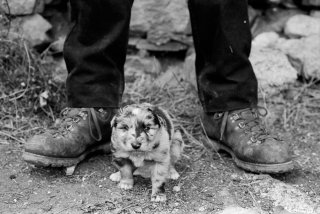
(222,42)
(227,86)
(95,52)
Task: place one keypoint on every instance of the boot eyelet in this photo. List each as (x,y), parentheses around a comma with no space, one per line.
(242,125)
(217,115)
(235,117)
(65,111)
(253,139)
(63,133)
(69,127)
(76,119)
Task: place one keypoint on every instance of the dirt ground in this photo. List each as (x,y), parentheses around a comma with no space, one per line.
(209,182)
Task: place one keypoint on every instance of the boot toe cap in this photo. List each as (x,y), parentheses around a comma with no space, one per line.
(269,152)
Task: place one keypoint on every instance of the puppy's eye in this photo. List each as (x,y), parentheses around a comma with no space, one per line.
(147,128)
(124,127)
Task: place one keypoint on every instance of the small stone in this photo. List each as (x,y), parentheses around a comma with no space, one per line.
(138,209)
(235,177)
(238,210)
(47,208)
(201,209)
(12,177)
(176,188)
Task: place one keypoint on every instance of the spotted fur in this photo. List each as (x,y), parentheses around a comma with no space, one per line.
(144,143)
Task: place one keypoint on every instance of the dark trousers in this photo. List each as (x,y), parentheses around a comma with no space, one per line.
(95,52)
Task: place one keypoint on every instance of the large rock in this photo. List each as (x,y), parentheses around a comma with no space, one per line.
(21,7)
(159,19)
(304,54)
(169,46)
(32,28)
(265,40)
(311,2)
(272,68)
(273,20)
(302,25)
(179,73)
(136,66)
(315,14)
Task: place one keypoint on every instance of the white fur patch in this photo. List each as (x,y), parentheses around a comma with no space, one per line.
(136,111)
(116,177)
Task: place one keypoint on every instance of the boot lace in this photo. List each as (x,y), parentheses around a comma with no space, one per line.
(68,121)
(250,123)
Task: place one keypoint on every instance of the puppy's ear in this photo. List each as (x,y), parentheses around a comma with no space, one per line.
(114,121)
(163,118)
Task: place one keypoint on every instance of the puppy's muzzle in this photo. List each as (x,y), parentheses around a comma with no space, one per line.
(136,145)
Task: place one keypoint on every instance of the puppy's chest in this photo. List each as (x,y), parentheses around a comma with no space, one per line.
(140,159)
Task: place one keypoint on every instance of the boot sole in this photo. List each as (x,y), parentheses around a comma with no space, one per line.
(69,163)
(252,167)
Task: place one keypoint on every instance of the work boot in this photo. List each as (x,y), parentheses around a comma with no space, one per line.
(242,134)
(80,132)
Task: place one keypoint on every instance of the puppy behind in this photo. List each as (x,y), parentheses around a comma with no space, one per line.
(144,143)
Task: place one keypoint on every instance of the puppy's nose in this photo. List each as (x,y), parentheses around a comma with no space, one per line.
(136,145)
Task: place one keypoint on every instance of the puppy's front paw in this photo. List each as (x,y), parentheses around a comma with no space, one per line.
(160,197)
(126,184)
(116,177)
(174,175)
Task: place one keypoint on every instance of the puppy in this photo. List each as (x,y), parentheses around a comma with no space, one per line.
(144,143)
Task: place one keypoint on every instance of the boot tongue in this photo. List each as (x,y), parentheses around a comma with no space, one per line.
(253,122)
(246,114)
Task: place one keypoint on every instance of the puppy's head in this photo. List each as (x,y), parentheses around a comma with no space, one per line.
(139,128)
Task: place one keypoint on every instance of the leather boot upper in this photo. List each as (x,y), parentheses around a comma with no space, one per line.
(78,130)
(243,132)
